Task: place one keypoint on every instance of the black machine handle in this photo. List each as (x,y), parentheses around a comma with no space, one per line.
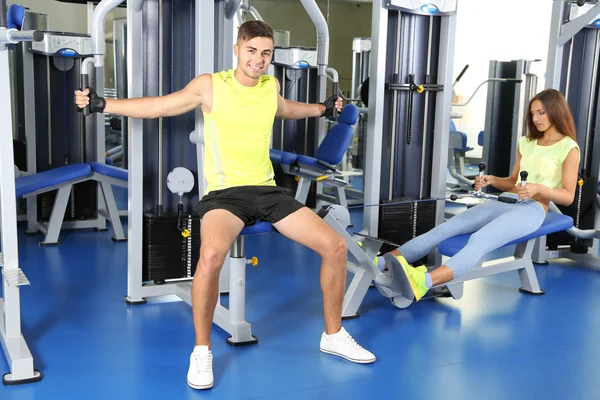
(462,73)
(3,16)
(482,167)
(524,175)
(336,88)
(327,165)
(85,83)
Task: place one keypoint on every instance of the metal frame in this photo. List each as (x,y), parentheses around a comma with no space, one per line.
(15,347)
(233,277)
(562,34)
(365,272)
(375,122)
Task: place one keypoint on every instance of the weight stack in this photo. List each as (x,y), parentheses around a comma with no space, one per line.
(402,222)
(166,253)
(81,204)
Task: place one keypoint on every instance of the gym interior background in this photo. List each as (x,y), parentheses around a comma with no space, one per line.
(493,343)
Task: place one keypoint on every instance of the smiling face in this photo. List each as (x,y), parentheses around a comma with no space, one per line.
(540,117)
(254,57)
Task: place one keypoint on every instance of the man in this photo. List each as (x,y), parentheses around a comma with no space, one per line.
(239,108)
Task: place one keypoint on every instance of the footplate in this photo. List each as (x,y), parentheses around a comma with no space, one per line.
(15,277)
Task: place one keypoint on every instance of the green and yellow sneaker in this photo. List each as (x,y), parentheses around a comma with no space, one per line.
(409,281)
(416,277)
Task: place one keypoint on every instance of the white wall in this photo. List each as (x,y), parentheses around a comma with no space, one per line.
(62,17)
(495,30)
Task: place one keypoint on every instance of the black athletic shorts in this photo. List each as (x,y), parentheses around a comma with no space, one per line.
(251,203)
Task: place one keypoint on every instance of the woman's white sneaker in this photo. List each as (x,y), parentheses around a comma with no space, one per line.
(200,374)
(343,345)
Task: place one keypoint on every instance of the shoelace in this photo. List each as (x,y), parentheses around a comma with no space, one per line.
(202,363)
(350,341)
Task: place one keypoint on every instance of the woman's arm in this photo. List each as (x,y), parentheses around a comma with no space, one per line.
(562,196)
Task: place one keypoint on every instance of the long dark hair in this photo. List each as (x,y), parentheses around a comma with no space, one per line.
(558,112)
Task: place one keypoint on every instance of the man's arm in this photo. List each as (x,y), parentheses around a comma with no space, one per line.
(288,109)
(177,103)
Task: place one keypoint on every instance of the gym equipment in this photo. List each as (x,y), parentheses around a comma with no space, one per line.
(323,167)
(502,134)
(62,180)
(363,249)
(16,351)
(410,90)
(207,22)
(572,68)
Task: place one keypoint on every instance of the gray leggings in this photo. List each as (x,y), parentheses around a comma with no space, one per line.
(495,223)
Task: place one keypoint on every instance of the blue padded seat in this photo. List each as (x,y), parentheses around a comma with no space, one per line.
(553,223)
(462,138)
(109,170)
(31,183)
(259,227)
(480,138)
(349,115)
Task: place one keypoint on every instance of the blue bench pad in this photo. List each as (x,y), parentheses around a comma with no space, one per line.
(32,183)
(109,170)
(553,223)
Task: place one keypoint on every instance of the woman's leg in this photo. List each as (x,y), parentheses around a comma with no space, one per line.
(524,218)
(467,221)
(510,223)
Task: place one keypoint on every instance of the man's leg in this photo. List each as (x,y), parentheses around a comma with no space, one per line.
(219,229)
(305,227)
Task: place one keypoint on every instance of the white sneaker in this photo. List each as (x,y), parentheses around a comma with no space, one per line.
(200,374)
(343,345)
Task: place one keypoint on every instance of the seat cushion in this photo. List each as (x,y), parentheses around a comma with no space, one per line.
(553,223)
(259,227)
(34,182)
(109,170)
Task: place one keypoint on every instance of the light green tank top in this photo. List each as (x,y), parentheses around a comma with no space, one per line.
(544,163)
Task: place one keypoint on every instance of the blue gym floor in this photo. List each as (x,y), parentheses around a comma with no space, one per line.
(494,343)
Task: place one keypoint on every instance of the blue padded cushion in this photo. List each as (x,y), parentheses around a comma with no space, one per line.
(349,114)
(452,126)
(480,138)
(15,16)
(335,144)
(109,170)
(31,183)
(259,227)
(463,141)
(108,160)
(553,223)
(306,160)
(282,157)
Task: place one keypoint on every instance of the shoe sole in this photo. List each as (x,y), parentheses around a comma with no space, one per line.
(401,282)
(200,387)
(348,358)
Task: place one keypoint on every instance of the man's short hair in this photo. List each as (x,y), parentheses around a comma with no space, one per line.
(251,29)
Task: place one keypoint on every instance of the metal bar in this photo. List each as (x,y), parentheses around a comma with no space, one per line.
(373,142)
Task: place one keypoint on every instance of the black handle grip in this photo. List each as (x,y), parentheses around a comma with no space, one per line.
(85,83)
(462,73)
(336,88)
(524,175)
(3,15)
(482,166)
(327,165)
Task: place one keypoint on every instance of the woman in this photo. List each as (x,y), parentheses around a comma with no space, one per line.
(549,153)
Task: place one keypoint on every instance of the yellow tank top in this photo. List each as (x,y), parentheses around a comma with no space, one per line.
(237,133)
(544,163)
